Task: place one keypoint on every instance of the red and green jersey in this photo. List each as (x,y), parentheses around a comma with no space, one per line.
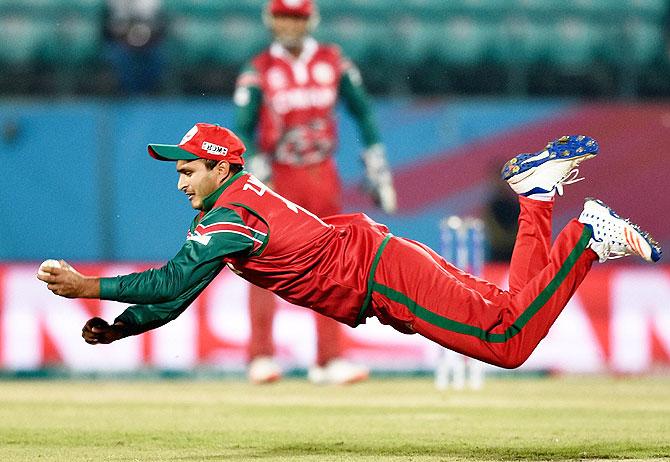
(291,101)
(322,264)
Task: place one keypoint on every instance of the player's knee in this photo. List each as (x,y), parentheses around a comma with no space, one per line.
(511,363)
(511,360)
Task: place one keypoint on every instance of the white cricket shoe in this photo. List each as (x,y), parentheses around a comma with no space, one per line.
(337,372)
(616,237)
(543,171)
(263,369)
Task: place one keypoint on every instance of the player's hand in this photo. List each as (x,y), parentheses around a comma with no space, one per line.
(97,330)
(379,179)
(68,282)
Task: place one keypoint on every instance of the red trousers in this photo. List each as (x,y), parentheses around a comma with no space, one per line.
(416,291)
(317,188)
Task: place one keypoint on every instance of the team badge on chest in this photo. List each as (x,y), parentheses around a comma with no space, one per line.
(323,73)
(277,78)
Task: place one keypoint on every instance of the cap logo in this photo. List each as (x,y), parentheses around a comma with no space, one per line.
(212,148)
(293,3)
(189,134)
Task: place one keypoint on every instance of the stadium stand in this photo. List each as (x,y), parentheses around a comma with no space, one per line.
(590,47)
(48,45)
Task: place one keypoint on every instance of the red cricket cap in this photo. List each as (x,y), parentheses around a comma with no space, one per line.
(303,8)
(203,141)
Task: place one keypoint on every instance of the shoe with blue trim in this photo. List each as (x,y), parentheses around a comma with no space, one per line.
(556,165)
(616,237)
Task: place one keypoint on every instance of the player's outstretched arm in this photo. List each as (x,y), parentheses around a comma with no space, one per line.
(67,282)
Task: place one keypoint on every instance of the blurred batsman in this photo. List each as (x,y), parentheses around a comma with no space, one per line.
(286,98)
(350,268)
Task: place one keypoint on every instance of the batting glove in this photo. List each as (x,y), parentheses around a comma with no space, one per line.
(379,179)
(259,166)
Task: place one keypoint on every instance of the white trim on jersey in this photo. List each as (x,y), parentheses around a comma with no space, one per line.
(235,232)
(204,227)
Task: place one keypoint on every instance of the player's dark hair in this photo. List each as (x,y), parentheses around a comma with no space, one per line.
(234,168)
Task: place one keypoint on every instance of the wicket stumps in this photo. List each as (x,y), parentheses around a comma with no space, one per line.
(462,245)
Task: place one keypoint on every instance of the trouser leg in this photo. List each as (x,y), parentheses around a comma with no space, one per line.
(416,292)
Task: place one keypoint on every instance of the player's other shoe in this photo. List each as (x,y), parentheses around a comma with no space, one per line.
(616,237)
(262,370)
(556,165)
(337,372)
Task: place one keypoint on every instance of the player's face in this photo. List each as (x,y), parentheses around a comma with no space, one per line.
(290,31)
(196,181)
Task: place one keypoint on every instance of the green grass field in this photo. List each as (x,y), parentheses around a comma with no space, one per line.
(572,418)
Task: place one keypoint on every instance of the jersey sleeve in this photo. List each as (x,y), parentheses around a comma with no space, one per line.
(247,98)
(164,293)
(353,94)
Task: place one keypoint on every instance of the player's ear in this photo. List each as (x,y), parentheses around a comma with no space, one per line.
(222,169)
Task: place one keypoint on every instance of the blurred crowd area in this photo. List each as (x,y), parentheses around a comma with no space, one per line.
(588,48)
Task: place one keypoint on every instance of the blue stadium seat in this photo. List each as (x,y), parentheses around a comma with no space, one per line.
(416,40)
(214,9)
(648,10)
(644,42)
(359,39)
(525,41)
(482,10)
(22,39)
(436,10)
(593,7)
(569,42)
(203,8)
(52,9)
(367,10)
(460,40)
(652,9)
(465,41)
(27,7)
(428,10)
(240,38)
(84,9)
(76,41)
(555,10)
(228,42)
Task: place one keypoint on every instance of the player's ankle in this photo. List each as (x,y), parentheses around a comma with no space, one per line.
(544,197)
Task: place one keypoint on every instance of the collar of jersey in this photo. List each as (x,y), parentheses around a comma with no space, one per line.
(309,47)
(209,201)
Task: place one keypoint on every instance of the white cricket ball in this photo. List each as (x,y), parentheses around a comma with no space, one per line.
(51,263)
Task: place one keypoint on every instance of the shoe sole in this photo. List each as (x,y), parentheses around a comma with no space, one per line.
(568,147)
(633,233)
